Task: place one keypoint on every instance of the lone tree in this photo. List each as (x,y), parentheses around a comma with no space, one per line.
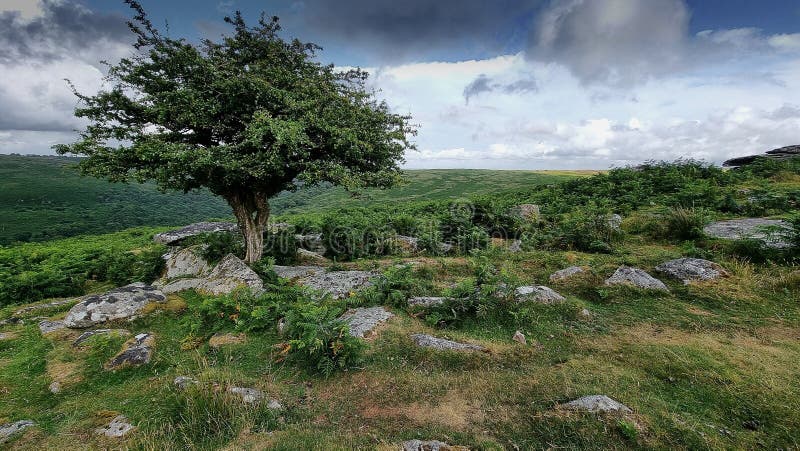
(247,117)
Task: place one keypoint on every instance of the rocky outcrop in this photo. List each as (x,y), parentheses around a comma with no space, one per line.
(751,228)
(596,403)
(185,262)
(306,256)
(363,320)
(625,275)
(440,344)
(783,153)
(135,352)
(229,274)
(519,337)
(9,430)
(173,237)
(426,301)
(339,284)
(118,427)
(566,273)
(691,269)
(126,302)
(47,326)
(431,445)
(537,293)
(32,308)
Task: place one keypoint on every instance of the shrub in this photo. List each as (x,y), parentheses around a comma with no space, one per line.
(215,246)
(397,285)
(354,234)
(281,246)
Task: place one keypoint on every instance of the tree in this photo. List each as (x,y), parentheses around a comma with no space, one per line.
(247,117)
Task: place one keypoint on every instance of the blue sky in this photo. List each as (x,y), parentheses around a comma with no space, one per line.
(504,84)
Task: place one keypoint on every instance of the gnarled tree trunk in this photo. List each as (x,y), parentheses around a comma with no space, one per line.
(252,213)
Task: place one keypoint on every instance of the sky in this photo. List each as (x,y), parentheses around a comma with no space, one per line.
(503,84)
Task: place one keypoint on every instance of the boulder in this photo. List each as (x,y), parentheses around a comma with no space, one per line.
(691,269)
(47,326)
(519,337)
(596,403)
(126,302)
(173,237)
(297,272)
(537,293)
(135,352)
(184,382)
(8,430)
(614,221)
(407,244)
(118,427)
(218,340)
(185,262)
(55,387)
(625,275)
(177,285)
(339,284)
(7,336)
(566,273)
(426,301)
(782,153)
(429,341)
(430,445)
(363,320)
(312,242)
(32,308)
(229,274)
(751,228)
(310,257)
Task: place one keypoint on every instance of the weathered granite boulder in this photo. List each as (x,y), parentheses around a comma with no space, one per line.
(431,445)
(47,326)
(519,337)
(537,293)
(8,430)
(185,262)
(426,301)
(121,303)
(614,221)
(751,228)
(363,320)
(54,387)
(312,242)
(229,274)
(135,352)
(173,237)
(177,285)
(297,272)
(691,269)
(306,256)
(782,153)
(625,275)
(184,382)
(429,341)
(566,273)
(118,427)
(339,284)
(596,403)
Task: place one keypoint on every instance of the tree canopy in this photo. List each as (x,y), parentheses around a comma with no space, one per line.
(246,117)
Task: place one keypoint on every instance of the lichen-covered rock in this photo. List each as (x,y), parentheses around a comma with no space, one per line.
(230,274)
(339,284)
(297,272)
(185,262)
(184,382)
(47,326)
(625,275)
(691,269)
(219,339)
(8,430)
(430,445)
(429,341)
(363,320)
(408,244)
(537,293)
(426,301)
(751,228)
(306,256)
(121,303)
(312,242)
(136,351)
(178,285)
(172,237)
(566,273)
(248,395)
(118,427)
(596,403)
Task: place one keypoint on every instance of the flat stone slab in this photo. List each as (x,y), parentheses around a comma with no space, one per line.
(8,430)
(431,445)
(426,301)
(538,293)
(363,320)
(429,341)
(625,275)
(178,285)
(172,237)
(47,326)
(691,269)
(118,427)
(751,228)
(339,284)
(566,273)
(121,303)
(135,352)
(597,403)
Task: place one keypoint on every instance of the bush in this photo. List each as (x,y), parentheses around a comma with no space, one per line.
(355,234)
(215,246)
(281,246)
(397,285)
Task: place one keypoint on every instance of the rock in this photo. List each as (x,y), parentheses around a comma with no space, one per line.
(566,273)
(219,339)
(46,326)
(177,285)
(690,269)
(445,248)
(751,228)
(184,382)
(585,313)
(118,427)
(362,320)
(528,212)
(55,387)
(783,153)
(428,341)
(430,445)
(278,226)
(230,274)
(312,242)
(408,244)
(91,333)
(32,308)
(274,404)
(310,257)
(185,262)
(173,237)
(537,293)
(519,337)
(596,403)
(625,275)
(7,336)
(248,395)
(121,303)
(281,326)
(614,221)
(516,246)
(297,272)
(339,284)
(136,351)
(9,430)
(426,301)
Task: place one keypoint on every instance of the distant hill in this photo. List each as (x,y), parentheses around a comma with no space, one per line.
(44,197)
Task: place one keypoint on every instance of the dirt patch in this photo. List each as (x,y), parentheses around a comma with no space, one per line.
(454,410)
(65,373)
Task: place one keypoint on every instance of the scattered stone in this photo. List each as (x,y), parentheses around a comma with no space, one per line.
(12,320)
(55,387)
(430,445)
(248,395)
(597,403)
(173,237)
(310,257)
(362,320)
(339,284)
(429,341)
(537,293)
(625,275)
(9,430)
(118,427)
(566,273)
(426,301)
(185,262)
(585,313)
(751,228)
(217,340)
(312,242)
(47,326)
(184,382)
(528,212)
(7,336)
(121,303)
(516,246)
(274,404)
(614,221)
(519,337)
(32,308)
(408,244)
(229,274)
(297,272)
(136,351)
(91,333)
(783,153)
(691,269)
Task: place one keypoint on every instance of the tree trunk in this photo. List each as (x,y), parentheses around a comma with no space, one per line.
(252,213)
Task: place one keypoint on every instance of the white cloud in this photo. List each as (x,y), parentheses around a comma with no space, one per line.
(27,9)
